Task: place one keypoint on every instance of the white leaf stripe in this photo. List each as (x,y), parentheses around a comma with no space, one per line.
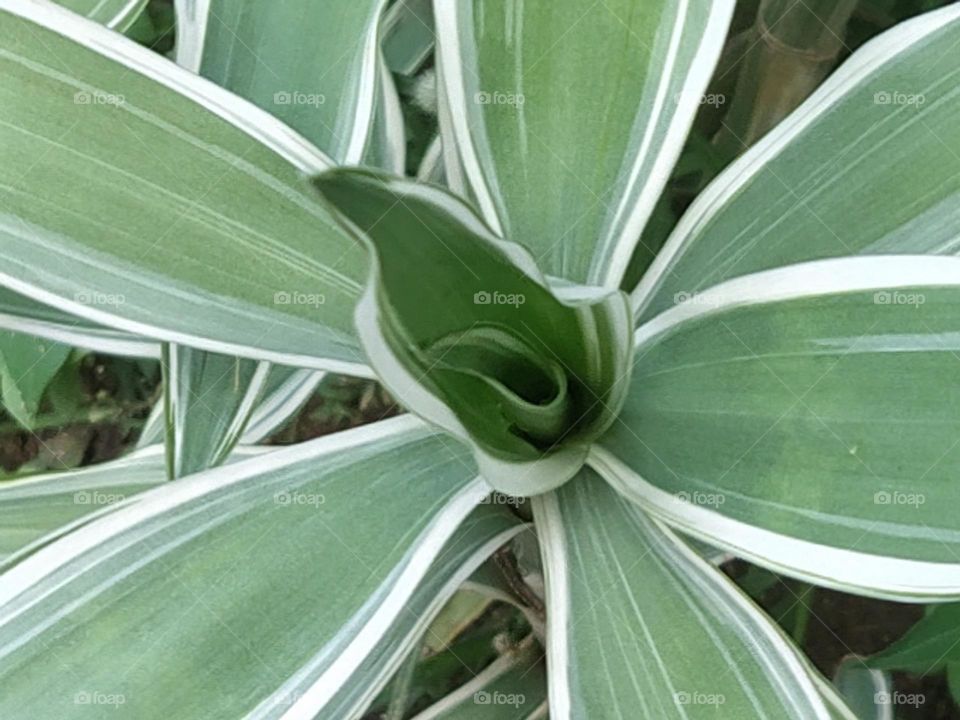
(244,115)
(139,471)
(404,585)
(237,327)
(857,71)
(807,280)
(372,685)
(460,137)
(106,340)
(499,667)
(280,405)
(23,577)
(549,523)
(368,85)
(849,570)
(784,665)
(126,15)
(151,288)
(613,256)
(192,18)
(742,642)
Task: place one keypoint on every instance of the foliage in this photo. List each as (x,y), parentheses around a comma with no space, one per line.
(635,333)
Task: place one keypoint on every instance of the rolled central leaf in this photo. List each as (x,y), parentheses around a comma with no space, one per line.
(464,330)
(530,389)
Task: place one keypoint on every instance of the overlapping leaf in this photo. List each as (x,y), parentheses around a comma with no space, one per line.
(241,555)
(475,341)
(641,627)
(567,119)
(867,165)
(806,418)
(137,195)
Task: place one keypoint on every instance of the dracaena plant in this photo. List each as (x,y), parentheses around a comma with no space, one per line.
(781,385)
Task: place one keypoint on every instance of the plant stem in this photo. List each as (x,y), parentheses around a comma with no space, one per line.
(802,620)
(794,46)
(511,572)
(400,687)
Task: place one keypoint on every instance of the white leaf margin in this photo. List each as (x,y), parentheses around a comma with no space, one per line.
(549,520)
(856,71)
(840,569)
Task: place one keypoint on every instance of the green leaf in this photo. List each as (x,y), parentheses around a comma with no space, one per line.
(284,393)
(36,510)
(513,686)
(257,51)
(240,556)
(22,314)
(408,35)
(953,676)
(930,644)
(115,14)
(27,365)
(208,399)
(479,536)
(387,145)
(806,419)
(498,360)
(182,198)
(869,693)
(567,119)
(461,611)
(640,626)
(865,166)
